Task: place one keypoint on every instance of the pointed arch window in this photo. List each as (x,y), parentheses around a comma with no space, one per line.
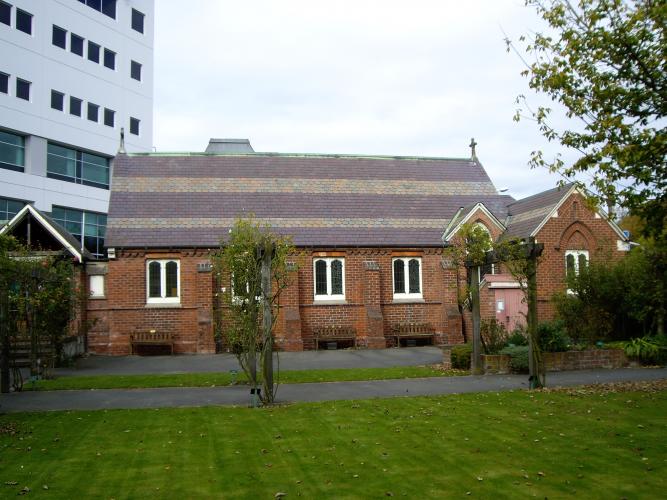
(163,281)
(407,274)
(329,278)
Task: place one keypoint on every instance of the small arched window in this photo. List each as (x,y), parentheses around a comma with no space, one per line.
(407,273)
(163,278)
(329,278)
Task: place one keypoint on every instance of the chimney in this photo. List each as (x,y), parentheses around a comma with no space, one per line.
(216,146)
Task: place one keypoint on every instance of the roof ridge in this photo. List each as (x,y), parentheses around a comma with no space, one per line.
(565,189)
(301,155)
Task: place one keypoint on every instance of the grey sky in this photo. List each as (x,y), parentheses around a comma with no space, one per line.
(370,77)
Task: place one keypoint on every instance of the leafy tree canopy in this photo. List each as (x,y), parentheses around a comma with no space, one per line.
(605,62)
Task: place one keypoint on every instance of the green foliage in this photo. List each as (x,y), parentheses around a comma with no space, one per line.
(650,350)
(494,336)
(617,300)
(39,294)
(461,356)
(518,357)
(517,337)
(604,62)
(238,269)
(552,336)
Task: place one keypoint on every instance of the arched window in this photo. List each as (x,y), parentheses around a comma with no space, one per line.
(575,261)
(329,278)
(163,279)
(407,277)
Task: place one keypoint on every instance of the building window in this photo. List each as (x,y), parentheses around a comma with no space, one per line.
(109,117)
(329,279)
(137,21)
(109,59)
(106,7)
(76,44)
(59,37)
(57,100)
(24,21)
(134,126)
(23,89)
(575,261)
(93,112)
(12,151)
(9,208)
(162,278)
(4,83)
(76,166)
(87,227)
(407,273)
(75,106)
(135,70)
(93,52)
(96,286)
(5,13)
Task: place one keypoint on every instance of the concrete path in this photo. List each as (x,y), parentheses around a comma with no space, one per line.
(306,360)
(239,395)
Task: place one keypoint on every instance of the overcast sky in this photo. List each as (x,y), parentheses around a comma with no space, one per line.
(385,77)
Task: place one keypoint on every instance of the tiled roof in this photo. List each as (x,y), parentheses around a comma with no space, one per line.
(525,215)
(186,200)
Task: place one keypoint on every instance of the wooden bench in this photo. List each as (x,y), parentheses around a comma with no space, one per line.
(151,337)
(335,333)
(412,331)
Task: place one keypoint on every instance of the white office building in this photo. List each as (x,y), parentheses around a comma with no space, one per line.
(73,74)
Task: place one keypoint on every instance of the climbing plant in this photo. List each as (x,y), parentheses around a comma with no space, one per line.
(242,320)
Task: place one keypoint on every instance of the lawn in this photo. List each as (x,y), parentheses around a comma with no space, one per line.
(225,378)
(487,445)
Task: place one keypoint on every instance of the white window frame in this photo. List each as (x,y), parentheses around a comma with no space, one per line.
(576,254)
(406,268)
(97,286)
(163,282)
(329,295)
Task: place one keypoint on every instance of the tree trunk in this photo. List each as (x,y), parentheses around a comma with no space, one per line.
(535,368)
(476,358)
(267,322)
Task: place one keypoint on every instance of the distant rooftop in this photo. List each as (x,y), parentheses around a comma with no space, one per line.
(216,146)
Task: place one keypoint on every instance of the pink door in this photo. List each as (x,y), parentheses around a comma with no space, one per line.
(510,308)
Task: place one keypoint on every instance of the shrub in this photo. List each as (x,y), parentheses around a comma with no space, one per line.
(650,350)
(616,300)
(461,356)
(493,335)
(518,358)
(518,337)
(552,337)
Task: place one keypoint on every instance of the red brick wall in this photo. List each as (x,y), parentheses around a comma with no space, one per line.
(124,310)
(369,305)
(576,228)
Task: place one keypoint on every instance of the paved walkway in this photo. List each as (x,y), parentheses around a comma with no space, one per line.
(239,395)
(305,360)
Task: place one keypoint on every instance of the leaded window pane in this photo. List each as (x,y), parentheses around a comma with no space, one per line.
(569,264)
(413,273)
(399,276)
(154,279)
(582,262)
(171,279)
(336,277)
(320,277)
